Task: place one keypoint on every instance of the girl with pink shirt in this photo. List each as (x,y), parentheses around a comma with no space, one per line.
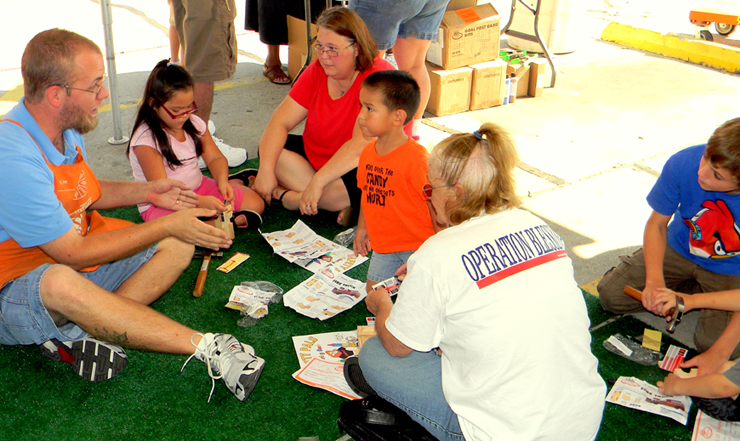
(167,140)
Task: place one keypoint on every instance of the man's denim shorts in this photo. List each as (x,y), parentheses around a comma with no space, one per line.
(391,19)
(25,320)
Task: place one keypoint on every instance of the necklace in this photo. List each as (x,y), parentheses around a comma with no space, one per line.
(351,80)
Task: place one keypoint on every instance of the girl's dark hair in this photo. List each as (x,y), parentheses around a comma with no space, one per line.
(165,80)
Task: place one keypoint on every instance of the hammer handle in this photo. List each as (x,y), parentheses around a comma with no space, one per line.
(201,280)
(632,292)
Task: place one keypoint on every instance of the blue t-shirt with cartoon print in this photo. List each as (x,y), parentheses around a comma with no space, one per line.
(704,227)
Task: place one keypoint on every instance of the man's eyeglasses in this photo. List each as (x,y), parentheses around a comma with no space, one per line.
(332,53)
(193,109)
(96,90)
(427,189)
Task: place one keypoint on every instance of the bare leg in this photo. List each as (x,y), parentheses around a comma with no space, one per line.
(156,276)
(251,200)
(111,317)
(273,56)
(203,97)
(174,45)
(294,173)
(410,55)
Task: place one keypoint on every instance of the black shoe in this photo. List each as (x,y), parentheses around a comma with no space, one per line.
(355,379)
(245,176)
(724,409)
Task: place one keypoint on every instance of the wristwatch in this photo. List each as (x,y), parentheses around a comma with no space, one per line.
(677,315)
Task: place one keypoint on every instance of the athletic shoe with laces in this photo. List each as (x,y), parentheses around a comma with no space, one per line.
(91,359)
(228,359)
(234,156)
(211,127)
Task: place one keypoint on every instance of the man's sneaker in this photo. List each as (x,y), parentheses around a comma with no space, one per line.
(91,359)
(234,156)
(228,359)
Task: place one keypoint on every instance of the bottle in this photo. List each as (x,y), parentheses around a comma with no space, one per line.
(507,90)
(512,88)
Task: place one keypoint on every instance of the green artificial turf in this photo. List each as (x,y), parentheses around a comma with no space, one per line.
(151,399)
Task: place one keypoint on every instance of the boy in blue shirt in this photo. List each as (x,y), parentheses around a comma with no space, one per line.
(698,250)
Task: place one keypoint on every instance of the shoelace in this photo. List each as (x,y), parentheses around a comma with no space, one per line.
(207,360)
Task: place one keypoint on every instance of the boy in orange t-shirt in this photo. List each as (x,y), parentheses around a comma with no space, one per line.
(395,217)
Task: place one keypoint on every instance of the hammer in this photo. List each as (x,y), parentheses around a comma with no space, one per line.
(675,313)
(201,280)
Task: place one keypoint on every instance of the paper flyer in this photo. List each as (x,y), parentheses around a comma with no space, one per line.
(302,246)
(708,428)
(325,294)
(637,394)
(327,376)
(334,347)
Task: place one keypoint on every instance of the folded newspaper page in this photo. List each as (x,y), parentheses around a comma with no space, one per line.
(327,376)
(334,347)
(325,294)
(637,394)
(301,245)
(708,428)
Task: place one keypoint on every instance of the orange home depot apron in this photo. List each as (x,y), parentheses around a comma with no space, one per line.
(77,189)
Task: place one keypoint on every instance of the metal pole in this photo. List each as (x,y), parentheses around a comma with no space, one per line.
(110,59)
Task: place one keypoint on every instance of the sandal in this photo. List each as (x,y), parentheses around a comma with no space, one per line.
(251,219)
(275,74)
(247,176)
(279,200)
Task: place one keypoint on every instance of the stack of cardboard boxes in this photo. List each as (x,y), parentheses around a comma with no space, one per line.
(464,63)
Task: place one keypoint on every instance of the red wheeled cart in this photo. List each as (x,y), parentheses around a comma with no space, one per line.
(724,22)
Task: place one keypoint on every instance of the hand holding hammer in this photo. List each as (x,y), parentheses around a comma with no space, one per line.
(676,313)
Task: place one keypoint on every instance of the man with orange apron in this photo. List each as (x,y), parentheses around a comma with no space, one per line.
(71,280)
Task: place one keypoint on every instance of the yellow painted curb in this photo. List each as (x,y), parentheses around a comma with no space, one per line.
(694,51)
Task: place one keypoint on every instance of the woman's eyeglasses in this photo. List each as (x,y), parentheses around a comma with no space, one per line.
(331,52)
(427,189)
(193,109)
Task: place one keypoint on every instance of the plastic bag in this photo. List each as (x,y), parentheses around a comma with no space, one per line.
(346,237)
(640,354)
(264,294)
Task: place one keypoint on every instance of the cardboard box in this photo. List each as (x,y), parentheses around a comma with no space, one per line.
(522,78)
(450,90)
(298,45)
(536,77)
(488,88)
(467,36)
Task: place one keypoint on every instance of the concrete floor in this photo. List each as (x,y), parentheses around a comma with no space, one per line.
(591,147)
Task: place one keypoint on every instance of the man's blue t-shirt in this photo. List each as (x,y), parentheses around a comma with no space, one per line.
(30,212)
(703,228)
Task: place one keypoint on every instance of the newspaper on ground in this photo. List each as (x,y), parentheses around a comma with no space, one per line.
(327,376)
(334,347)
(637,394)
(301,245)
(325,294)
(322,357)
(708,428)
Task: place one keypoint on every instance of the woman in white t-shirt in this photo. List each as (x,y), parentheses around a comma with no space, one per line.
(489,336)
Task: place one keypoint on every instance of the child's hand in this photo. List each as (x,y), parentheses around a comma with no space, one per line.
(361,244)
(227,192)
(211,203)
(668,385)
(664,299)
(401,272)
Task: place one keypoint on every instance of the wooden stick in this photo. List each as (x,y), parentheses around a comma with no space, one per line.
(201,280)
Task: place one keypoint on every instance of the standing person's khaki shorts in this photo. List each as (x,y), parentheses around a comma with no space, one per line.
(207,35)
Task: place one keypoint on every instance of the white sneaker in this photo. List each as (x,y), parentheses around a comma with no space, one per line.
(211,127)
(228,359)
(234,156)
(91,359)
